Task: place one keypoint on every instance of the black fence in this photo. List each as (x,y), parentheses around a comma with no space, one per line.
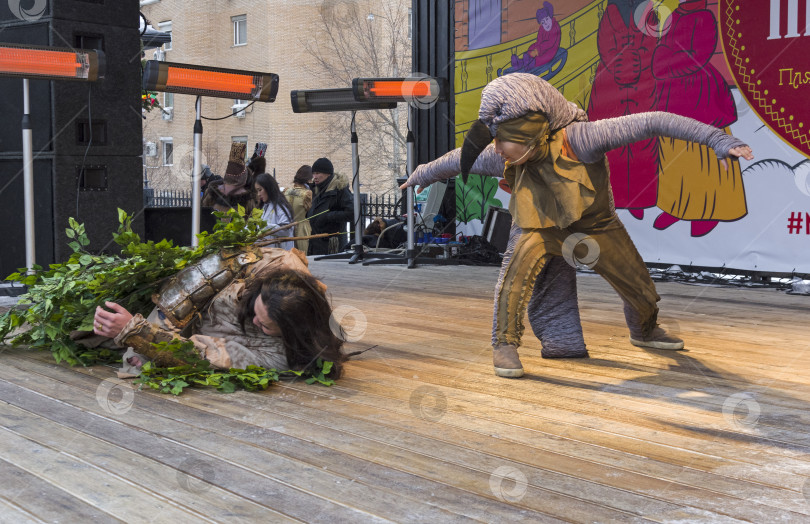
(385,206)
(166,197)
(372,206)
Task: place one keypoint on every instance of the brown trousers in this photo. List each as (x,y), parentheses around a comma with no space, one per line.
(599,241)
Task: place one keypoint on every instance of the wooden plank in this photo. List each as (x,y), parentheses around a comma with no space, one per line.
(551,451)
(666,490)
(253,478)
(100,489)
(776,424)
(629,434)
(39,500)
(13,514)
(320,457)
(517,402)
(252,439)
(200,495)
(305,428)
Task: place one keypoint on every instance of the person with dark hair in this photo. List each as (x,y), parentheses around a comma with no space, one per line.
(259,307)
(300,198)
(332,208)
(276,211)
(207,177)
(256,166)
(233,190)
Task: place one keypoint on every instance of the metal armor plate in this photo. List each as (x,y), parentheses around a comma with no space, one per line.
(187,292)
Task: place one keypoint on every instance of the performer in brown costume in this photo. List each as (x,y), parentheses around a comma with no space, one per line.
(561,199)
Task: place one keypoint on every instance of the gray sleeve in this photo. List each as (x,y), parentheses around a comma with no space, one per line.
(488,163)
(591,140)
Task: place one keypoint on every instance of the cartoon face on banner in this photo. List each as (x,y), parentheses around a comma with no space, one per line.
(764,44)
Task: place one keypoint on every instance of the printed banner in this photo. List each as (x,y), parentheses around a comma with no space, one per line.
(620,57)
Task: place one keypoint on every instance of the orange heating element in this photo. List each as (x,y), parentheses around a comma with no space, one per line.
(399,88)
(40,62)
(210,80)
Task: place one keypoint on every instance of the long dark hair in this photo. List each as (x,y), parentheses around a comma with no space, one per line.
(302,311)
(303,176)
(274,194)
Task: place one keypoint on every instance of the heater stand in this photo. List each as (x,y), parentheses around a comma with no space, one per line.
(358,232)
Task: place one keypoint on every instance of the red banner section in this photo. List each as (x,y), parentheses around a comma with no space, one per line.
(765,44)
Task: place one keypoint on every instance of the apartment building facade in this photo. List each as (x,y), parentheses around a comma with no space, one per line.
(292,39)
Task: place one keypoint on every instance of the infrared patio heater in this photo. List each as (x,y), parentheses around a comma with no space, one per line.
(334,100)
(202,81)
(419,92)
(43,63)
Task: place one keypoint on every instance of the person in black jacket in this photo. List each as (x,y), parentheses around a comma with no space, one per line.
(330,193)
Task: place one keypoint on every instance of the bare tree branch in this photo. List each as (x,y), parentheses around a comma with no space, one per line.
(355,44)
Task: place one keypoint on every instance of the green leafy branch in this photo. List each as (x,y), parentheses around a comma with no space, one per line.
(199,373)
(62,299)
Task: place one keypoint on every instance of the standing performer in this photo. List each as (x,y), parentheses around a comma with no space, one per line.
(556,167)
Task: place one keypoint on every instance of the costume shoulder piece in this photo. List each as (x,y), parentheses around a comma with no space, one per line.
(187,292)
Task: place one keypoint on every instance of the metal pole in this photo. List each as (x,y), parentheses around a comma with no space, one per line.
(28,180)
(358,230)
(196,171)
(411,160)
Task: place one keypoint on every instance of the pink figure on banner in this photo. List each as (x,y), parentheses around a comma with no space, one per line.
(624,85)
(692,185)
(545,48)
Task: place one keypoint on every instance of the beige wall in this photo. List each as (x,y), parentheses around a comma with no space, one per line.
(277,32)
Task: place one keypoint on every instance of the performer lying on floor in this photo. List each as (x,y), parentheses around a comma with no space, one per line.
(556,167)
(259,306)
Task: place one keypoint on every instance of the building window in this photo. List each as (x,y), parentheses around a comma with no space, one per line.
(239,29)
(410,23)
(168,100)
(168,151)
(166,27)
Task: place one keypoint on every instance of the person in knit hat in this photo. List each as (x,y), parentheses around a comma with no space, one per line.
(562,206)
(232,191)
(332,208)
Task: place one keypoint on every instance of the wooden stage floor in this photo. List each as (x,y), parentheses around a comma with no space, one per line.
(420,430)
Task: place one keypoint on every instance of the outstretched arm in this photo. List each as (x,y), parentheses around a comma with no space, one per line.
(488,163)
(591,140)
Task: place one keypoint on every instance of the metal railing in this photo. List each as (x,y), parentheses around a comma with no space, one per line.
(387,206)
(166,197)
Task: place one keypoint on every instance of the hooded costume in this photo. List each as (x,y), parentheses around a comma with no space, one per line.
(233,191)
(562,206)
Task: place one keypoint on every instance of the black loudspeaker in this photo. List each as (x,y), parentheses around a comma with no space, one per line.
(174,223)
(497,224)
(87,138)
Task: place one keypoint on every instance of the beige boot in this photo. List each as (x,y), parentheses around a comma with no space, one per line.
(506,361)
(654,336)
(658,339)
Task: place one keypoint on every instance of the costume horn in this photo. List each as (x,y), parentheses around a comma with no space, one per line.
(478,137)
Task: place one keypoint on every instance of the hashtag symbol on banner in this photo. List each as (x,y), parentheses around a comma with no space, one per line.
(795,223)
